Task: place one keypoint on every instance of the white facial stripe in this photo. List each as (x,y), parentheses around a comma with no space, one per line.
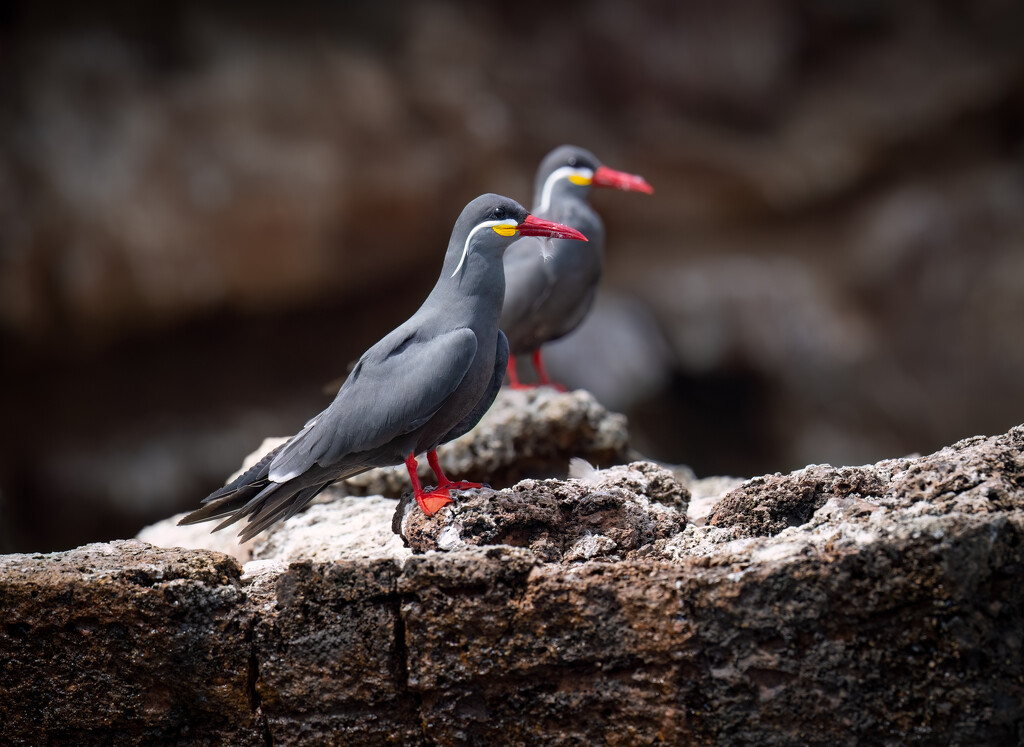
(561,173)
(477,227)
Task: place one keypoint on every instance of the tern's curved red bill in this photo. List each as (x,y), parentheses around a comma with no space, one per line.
(534,226)
(606,177)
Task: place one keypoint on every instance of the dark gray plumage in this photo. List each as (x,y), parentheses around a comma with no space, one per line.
(549,289)
(428,381)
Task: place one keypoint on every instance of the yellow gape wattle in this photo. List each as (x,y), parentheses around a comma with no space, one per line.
(580,181)
(504,230)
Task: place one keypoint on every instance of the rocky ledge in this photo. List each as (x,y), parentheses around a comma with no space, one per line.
(880,604)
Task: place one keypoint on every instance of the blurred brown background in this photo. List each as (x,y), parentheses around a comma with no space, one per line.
(208,210)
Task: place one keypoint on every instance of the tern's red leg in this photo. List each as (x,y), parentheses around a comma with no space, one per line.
(430,502)
(542,374)
(513,378)
(444,482)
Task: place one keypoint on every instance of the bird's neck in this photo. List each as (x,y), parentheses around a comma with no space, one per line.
(548,198)
(475,292)
(564,205)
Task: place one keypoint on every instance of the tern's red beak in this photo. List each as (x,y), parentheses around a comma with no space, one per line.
(606,177)
(534,226)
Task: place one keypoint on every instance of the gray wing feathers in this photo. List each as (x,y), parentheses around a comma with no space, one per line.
(500,365)
(396,387)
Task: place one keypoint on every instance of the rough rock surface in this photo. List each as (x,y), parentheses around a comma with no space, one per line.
(125,643)
(881,604)
(611,515)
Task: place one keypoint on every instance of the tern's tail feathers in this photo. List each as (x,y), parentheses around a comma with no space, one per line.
(253,495)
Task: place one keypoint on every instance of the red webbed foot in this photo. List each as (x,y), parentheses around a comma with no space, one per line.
(442,479)
(432,502)
(429,501)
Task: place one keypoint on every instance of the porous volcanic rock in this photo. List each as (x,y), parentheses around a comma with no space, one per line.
(881,604)
(125,643)
(611,514)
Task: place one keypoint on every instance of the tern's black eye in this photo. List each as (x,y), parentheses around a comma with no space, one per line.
(499,213)
(572,160)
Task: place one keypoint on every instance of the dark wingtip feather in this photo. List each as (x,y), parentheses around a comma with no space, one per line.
(262,515)
(220,507)
(235,494)
(263,502)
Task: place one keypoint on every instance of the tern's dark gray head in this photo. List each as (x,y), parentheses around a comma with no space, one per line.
(491,222)
(569,170)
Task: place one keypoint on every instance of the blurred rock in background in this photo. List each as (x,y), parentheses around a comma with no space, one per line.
(207,211)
